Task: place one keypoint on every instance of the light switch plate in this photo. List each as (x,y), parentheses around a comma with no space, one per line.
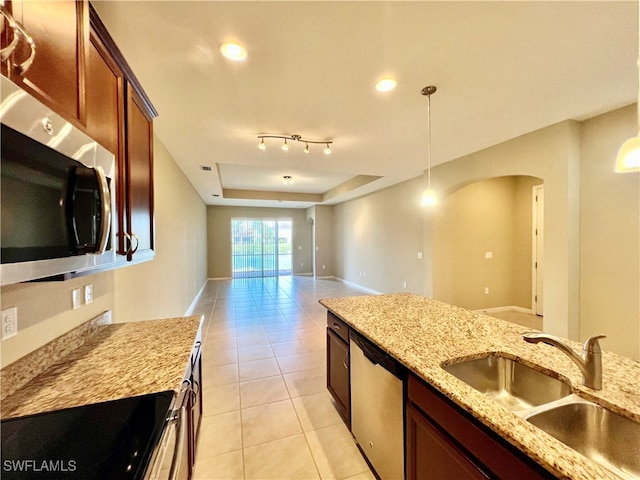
(76,301)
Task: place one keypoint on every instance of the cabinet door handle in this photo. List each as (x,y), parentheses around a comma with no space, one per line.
(337,326)
(133,235)
(21,68)
(130,237)
(11,23)
(345,361)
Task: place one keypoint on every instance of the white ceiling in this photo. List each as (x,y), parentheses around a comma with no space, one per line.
(502,69)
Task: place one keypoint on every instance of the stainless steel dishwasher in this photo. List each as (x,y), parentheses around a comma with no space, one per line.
(377,407)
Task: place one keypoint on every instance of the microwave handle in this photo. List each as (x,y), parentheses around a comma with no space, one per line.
(105,217)
(177,459)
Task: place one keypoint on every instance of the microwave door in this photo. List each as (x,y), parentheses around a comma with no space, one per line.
(87,209)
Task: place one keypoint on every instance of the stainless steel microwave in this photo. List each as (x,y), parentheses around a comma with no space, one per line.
(57,193)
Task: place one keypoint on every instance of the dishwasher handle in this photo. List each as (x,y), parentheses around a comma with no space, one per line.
(377,356)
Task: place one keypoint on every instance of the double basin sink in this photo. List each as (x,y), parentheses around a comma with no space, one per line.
(609,439)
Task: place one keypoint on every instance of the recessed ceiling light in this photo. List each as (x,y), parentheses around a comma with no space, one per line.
(233,51)
(386,85)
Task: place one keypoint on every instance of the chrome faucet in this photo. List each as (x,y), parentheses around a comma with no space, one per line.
(590,363)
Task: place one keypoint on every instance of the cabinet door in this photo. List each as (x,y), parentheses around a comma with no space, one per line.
(139,158)
(338,374)
(60,31)
(432,456)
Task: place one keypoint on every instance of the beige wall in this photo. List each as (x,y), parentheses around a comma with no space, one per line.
(166,286)
(322,239)
(378,237)
(551,154)
(163,287)
(487,216)
(592,227)
(609,234)
(219,236)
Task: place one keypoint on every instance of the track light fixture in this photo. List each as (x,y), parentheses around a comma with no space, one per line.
(295,138)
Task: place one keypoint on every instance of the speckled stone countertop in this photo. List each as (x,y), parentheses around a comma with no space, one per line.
(424,334)
(115,361)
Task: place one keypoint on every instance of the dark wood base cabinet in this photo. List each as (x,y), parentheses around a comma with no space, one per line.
(445,442)
(338,382)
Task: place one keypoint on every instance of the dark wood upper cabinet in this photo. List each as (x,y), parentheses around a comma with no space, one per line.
(79,72)
(139,157)
(120,117)
(60,31)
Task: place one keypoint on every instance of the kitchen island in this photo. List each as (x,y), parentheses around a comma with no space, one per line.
(424,335)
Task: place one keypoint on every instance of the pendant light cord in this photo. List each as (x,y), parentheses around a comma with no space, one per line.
(429,142)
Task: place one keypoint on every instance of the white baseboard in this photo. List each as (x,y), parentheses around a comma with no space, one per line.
(504,309)
(218,278)
(359,287)
(195,301)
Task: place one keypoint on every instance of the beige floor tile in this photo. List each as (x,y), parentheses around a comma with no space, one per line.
(220,434)
(366,475)
(315,344)
(306,382)
(255,369)
(272,421)
(267,319)
(335,452)
(220,399)
(212,357)
(282,326)
(283,336)
(287,458)
(220,375)
(247,354)
(228,466)
(302,361)
(250,330)
(226,344)
(261,391)
(288,348)
(253,340)
(316,411)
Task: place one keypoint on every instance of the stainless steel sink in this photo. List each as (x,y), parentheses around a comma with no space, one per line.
(606,438)
(509,383)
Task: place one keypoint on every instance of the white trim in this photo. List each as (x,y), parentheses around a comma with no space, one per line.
(325,277)
(359,287)
(218,278)
(505,309)
(195,300)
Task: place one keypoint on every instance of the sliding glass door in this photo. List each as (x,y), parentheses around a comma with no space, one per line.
(261,248)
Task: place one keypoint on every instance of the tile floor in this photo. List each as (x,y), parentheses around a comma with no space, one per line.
(267,412)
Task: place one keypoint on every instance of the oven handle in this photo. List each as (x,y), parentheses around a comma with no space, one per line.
(105,204)
(181,417)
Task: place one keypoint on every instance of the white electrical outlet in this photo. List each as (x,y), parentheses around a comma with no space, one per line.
(9,322)
(88,294)
(419,255)
(488,255)
(76,301)
(404,284)
(486,290)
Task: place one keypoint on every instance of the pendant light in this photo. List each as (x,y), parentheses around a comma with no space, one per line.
(629,154)
(429,196)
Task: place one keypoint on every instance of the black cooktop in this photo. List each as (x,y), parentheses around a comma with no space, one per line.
(108,440)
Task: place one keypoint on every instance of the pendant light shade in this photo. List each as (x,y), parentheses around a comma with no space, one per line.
(429,196)
(628,159)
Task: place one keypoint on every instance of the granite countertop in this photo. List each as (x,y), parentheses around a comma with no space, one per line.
(424,334)
(104,362)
